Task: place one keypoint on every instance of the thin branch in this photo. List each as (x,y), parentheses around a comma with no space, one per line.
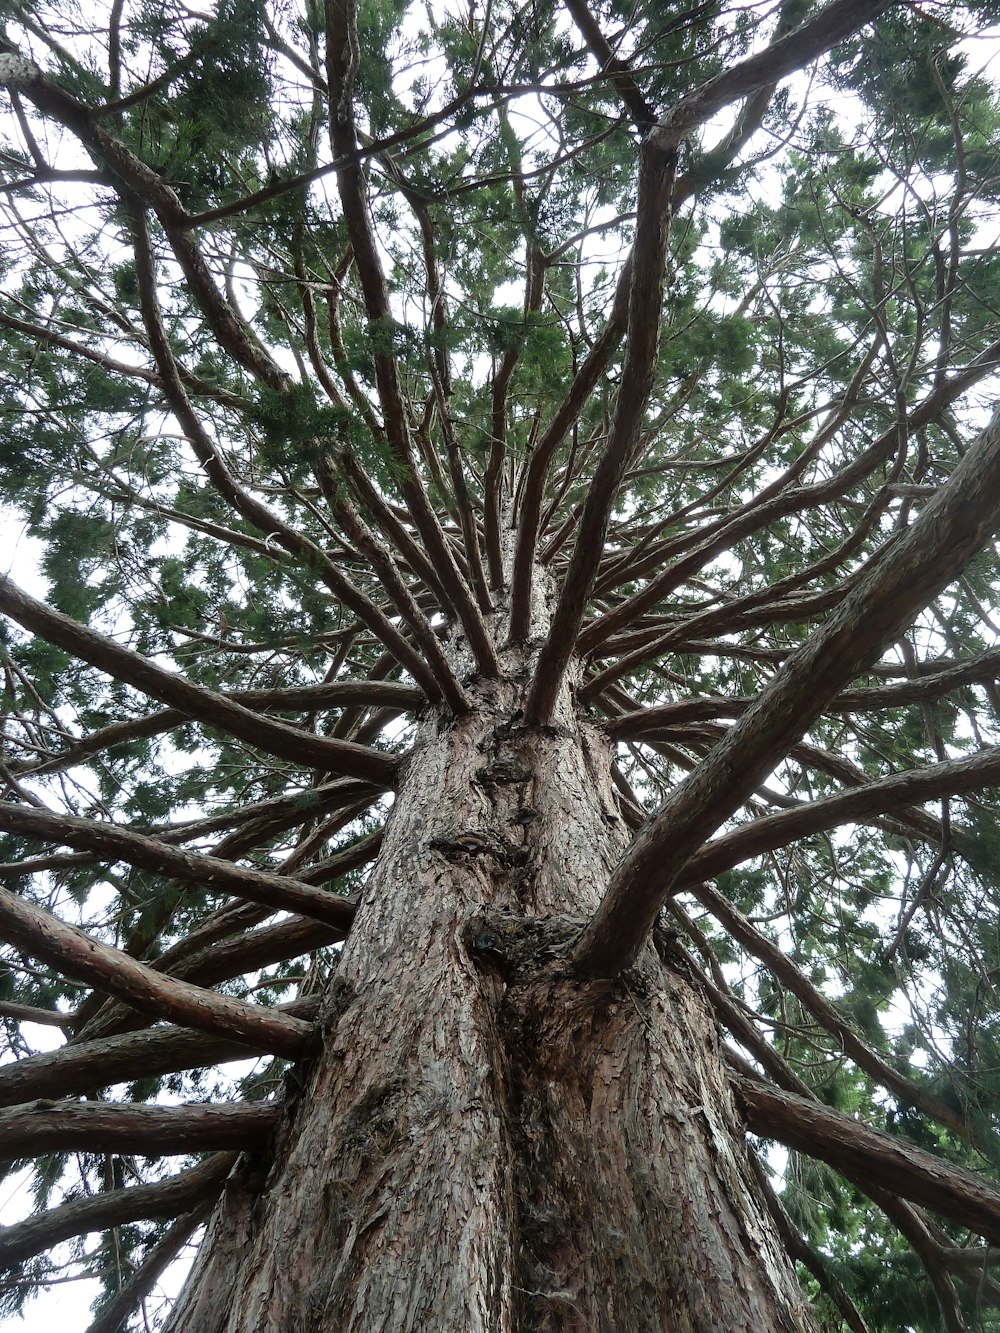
(112,1316)
(656,177)
(264,519)
(827,1015)
(133,179)
(805,1254)
(341,62)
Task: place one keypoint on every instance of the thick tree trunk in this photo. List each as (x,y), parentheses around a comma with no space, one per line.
(486,1142)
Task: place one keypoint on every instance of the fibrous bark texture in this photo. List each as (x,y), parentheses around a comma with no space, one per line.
(487,1140)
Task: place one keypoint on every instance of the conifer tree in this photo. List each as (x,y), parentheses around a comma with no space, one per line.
(500,762)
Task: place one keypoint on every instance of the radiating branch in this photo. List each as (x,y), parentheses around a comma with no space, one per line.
(204,705)
(79,955)
(870,1158)
(949,531)
(165,1199)
(86,1066)
(153,1131)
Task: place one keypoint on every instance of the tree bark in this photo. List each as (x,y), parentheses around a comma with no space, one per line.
(487,1141)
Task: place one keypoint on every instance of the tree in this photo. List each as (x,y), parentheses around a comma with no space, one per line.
(517,492)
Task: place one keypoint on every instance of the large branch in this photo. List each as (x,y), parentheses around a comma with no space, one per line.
(955,524)
(277,738)
(83,1067)
(206,872)
(167,1198)
(784,56)
(78,955)
(863,805)
(642,722)
(337,694)
(235,957)
(870,1158)
(155,1131)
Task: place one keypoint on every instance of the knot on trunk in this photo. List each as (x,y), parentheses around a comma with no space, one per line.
(521,946)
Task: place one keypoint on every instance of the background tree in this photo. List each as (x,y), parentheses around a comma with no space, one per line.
(568,418)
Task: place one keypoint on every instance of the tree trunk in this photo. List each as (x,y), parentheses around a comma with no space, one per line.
(486,1141)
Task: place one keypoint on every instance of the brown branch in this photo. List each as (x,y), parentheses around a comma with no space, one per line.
(341,62)
(258,949)
(972,1259)
(437,677)
(534,290)
(779,499)
(440,371)
(805,1254)
(278,813)
(870,1158)
(910,1224)
(264,519)
(78,955)
(167,1198)
(782,57)
(827,1014)
(337,694)
(204,705)
(864,804)
(923,689)
(656,177)
(395,530)
(86,1066)
(199,386)
(154,1131)
(208,873)
(617,70)
(216,952)
(763,607)
(27,1013)
(925,559)
(529,511)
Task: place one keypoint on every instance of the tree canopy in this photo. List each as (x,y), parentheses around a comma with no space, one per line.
(333,342)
